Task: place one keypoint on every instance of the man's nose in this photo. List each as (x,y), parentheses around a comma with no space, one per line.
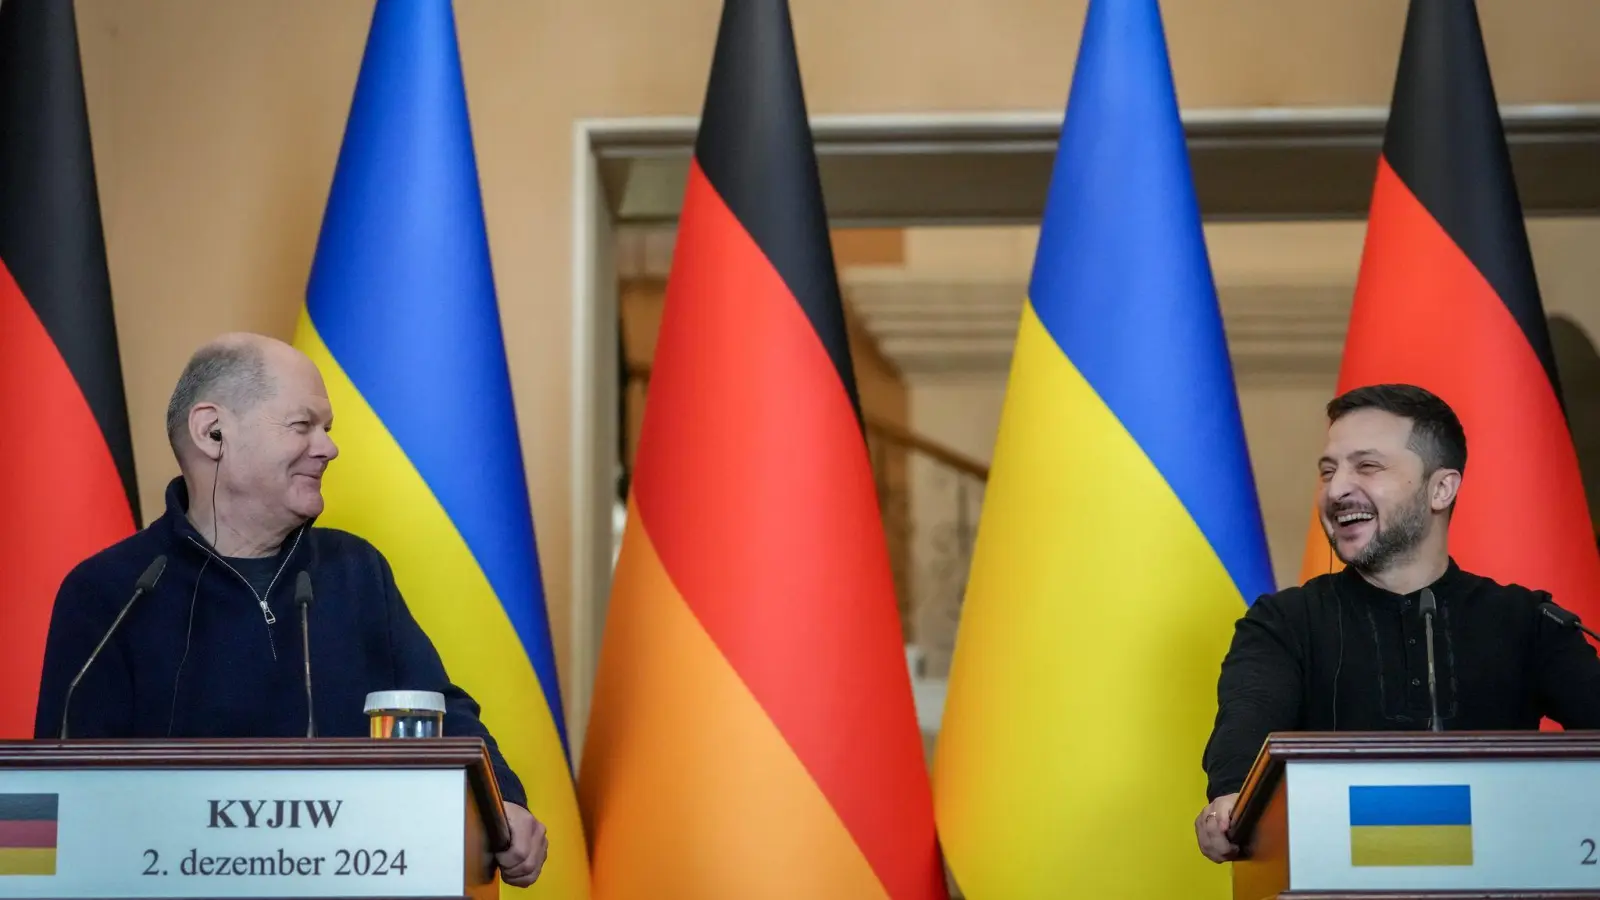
(1339,485)
(325,446)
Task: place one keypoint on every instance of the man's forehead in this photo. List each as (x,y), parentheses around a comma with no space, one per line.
(317,406)
(1368,431)
(288,405)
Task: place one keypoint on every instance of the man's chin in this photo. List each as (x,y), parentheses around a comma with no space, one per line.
(308,505)
(1349,551)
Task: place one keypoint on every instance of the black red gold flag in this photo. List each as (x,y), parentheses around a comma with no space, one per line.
(754,732)
(1447,299)
(66,462)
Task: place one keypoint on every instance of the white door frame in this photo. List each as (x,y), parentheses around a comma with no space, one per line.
(966,168)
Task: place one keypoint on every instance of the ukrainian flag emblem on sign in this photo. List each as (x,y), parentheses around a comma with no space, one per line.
(1411,825)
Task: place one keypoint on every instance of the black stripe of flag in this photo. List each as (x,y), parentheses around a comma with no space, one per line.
(755,148)
(1445,140)
(29,807)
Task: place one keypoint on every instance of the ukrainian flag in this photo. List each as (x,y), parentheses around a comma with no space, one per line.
(1411,825)
(1121,535)
(401,316)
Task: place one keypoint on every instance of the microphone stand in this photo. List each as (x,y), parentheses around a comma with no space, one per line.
(146,581)
(1429,607)
(302,597)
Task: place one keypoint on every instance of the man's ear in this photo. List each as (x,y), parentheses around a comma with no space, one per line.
(1446,484)
(205,429)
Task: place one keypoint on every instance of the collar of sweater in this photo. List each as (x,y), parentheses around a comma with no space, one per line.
(183,533)
(1454,582)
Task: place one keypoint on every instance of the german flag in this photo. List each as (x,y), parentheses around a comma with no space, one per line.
(1446,299)
(753,732)
(28,831)
(68,480)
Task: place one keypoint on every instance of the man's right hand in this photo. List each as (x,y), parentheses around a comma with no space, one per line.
(1211,829)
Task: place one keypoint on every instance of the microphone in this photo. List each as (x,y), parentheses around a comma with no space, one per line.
(1428,609)
(1565,618)
(302,597)
(140,588)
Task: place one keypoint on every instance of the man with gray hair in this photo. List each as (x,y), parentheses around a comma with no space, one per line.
(206,652)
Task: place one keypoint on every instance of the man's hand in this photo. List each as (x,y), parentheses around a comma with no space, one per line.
(521,863)
(1211,828)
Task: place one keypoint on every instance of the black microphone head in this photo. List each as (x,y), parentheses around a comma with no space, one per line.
(1426,604)
(1564,617)
(302,588)
(151,574)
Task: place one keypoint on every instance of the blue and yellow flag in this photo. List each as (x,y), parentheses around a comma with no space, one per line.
(401,316)
(1410,825)
(1121,535)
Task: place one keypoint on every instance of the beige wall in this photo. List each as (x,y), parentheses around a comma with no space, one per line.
(217,124)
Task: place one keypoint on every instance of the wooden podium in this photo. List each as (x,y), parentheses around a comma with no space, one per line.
(1414,815)
(333,817)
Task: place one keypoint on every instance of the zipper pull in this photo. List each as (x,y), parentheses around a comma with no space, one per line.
(266,611)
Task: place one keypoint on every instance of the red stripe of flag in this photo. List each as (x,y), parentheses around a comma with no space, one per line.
(25,835)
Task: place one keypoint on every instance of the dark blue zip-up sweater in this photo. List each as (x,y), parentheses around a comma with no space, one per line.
(197,657)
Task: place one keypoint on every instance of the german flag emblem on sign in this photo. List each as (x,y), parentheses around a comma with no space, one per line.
(28,834)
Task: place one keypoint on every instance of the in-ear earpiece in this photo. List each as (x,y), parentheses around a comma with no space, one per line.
(216,434)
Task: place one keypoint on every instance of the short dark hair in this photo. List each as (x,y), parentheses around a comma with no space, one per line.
(231,374)
(1436,433)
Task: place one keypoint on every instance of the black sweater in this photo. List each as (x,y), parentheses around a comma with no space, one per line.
(196,657)
(1340,654)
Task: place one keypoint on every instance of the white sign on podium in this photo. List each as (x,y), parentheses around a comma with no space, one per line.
(231,832)
(1444,825)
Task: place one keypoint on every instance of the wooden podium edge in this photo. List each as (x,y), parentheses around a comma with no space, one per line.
(469,753)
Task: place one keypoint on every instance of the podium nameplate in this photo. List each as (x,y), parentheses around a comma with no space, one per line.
(1407,814)
(1527,825)
(280,833)
(328,817)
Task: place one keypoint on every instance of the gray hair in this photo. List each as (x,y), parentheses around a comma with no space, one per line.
(232,375)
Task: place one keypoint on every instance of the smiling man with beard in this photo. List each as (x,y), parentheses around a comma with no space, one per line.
(213,649)
(1347,651)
